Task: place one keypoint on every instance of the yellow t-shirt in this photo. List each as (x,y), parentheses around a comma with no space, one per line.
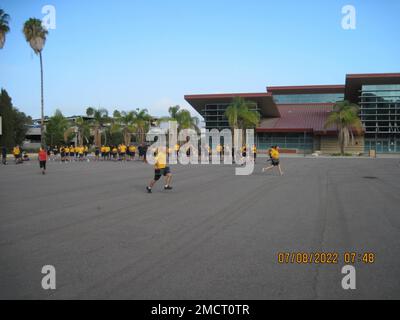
(71,149)
(16,151)
(67,150)
(274,154)
(161,160)
(132,149)
(254,149)
(81,150)
(108,149)
(86,149)
(123,149)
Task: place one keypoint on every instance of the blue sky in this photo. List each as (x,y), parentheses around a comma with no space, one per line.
(149,54)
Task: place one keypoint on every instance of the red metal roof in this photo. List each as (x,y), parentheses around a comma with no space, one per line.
(337,88)
(299,118)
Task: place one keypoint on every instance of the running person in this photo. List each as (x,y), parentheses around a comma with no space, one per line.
(42,156)
(274,154)
(161,169)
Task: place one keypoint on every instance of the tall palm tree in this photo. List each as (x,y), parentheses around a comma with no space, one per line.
(99,120)
(125,122)
(142,123)
(240,115)
(345,117)
(36,35)
(4,27)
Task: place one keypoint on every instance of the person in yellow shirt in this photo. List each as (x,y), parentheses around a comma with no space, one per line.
(274,154)
(177,147)
(80,151)
(122,152)
(254,151)
(72,152)
(219,151)
(108,151)
(114,152)
(103,152)
(132,152)
(86,151)
(17,154)
(161,169)
(66,153)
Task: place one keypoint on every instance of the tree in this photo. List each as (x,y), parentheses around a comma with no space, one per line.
(36,35)
(4,27)
(83,131)
(142,123)
(345,117)
(58,129)
(183,118)
(99,119)
(240,115)
(14,122)
(125,123)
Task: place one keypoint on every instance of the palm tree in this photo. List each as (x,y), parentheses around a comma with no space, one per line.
(186,121)
(345,117)
(4,27)
(142,120)
(83,130)
(125,122)
(36,34)
(240,115)
(183,118)
(98,121)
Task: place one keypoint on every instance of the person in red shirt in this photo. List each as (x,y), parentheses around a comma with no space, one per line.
(42,160)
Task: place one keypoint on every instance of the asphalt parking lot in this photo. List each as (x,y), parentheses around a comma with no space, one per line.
(214,236)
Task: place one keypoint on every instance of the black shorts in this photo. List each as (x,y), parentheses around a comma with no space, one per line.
(122,154)
(42,165)
(275,162)
(161,172)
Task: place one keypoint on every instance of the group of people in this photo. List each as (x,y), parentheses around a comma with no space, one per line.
(68,153)
(120,152)
(123,152)
(18,153)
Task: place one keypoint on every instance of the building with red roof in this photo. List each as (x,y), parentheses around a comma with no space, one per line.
(294,117)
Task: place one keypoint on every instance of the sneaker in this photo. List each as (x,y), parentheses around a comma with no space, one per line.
(167,188)
(148,189)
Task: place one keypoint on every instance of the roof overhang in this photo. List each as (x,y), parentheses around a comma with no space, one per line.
(284,130)
(306,89)
(354,82)
(264,101)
